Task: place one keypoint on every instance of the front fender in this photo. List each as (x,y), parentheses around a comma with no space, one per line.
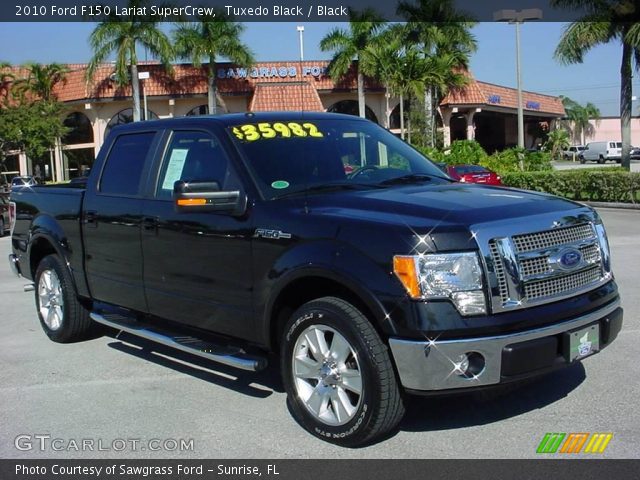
(339,263)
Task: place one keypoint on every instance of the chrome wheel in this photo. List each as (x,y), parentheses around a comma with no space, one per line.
(50,299)
(327,375)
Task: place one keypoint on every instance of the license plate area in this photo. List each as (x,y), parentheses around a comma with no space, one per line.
(581,343)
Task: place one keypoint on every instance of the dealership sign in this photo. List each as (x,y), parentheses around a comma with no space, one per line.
(276,71)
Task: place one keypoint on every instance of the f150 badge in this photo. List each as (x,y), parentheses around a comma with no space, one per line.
(271,234)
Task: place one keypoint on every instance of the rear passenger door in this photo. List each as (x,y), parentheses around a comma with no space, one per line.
(112,214)
(197,266)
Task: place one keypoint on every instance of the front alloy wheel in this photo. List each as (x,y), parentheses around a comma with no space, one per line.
(340,382)
(328,379)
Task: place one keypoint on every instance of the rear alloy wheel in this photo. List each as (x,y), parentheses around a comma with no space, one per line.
(340,382)
(62,317)
(601,159)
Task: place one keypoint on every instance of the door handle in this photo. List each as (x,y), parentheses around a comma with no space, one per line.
(91,218)
(150,225)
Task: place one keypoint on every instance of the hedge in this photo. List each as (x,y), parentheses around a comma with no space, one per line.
(602,185)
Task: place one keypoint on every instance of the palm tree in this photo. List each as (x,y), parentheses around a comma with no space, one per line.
(557,142)
(212,36)
(443,34)
(350,45)
(383,60)
(122,34)
(606,21)
(41,80)
(578,119)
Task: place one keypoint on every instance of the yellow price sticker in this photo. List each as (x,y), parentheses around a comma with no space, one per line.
(266,130)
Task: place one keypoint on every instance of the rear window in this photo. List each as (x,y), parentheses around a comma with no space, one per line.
(465,169)
(123,169)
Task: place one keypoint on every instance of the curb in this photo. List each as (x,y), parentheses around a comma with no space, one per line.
(623,206)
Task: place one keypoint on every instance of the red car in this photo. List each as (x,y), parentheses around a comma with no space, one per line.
(472,174)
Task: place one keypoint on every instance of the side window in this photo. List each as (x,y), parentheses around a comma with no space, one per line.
(194,156)
(124,165)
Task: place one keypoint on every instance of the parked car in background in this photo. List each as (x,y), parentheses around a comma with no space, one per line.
(601,152)
(4,213)
(635,153)
(471,174)
(573,152)
(24,181)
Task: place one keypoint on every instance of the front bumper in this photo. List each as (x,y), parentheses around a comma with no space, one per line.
(430,365)
(14,264)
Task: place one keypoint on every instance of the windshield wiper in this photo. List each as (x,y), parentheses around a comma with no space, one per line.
(410,178)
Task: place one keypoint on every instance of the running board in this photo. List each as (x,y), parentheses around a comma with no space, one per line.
(227,355)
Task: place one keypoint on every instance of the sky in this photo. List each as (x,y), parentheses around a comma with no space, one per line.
(597,80)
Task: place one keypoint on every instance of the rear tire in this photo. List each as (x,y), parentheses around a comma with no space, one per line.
(2,226)
(62,317)
(340,382)
(601,159)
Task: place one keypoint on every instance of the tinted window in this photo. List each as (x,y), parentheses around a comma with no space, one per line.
(123,169)
(194,156)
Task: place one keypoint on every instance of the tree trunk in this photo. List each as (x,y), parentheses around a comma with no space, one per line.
(361,103)
(402,116)
(135,87)
(211,90)
(387,111)
(625,104)
(428,115)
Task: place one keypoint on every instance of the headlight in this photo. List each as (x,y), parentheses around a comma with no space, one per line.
(454,276)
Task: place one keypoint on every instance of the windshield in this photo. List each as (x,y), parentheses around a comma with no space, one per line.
(295,156)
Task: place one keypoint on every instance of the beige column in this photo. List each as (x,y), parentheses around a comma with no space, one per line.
(471,132)
(446,126)
(22,162)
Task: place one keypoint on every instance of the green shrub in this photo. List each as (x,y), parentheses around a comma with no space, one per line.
(465,152)
(432,154)
(605,185)
(508,161)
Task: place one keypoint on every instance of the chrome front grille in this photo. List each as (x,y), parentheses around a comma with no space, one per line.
(531,268)
(551,238)
(560,285)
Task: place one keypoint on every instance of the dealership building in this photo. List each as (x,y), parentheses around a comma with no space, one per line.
(481,111)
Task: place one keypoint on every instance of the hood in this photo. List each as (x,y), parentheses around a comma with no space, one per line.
(425,206)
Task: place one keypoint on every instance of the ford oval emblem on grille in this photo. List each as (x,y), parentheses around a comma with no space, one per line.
(569,258)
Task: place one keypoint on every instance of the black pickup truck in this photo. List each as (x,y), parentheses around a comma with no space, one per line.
(327,241)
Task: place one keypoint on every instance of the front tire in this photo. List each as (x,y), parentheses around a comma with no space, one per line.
(62,317)
(340,382)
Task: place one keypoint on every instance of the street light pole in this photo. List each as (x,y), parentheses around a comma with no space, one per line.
(300,29)
(519,82)
(518,17)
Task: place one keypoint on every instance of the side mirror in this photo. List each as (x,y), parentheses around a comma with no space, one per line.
(203,196)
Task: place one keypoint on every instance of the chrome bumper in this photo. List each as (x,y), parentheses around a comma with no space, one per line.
(432,365)
(14,264)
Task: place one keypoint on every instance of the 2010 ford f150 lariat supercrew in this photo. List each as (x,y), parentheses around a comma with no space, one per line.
(325,240)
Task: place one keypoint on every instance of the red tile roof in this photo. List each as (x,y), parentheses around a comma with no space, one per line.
(285,96)
(489,94)
(188,80)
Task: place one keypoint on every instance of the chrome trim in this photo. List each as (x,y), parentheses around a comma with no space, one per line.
(14,264)
(431,365)
(244,362)
(510,294)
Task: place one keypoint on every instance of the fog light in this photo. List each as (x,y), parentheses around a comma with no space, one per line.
(470,365)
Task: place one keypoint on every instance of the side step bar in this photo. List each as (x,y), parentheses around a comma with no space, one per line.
(227,355)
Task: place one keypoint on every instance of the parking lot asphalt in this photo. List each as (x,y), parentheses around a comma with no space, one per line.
(115,392)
